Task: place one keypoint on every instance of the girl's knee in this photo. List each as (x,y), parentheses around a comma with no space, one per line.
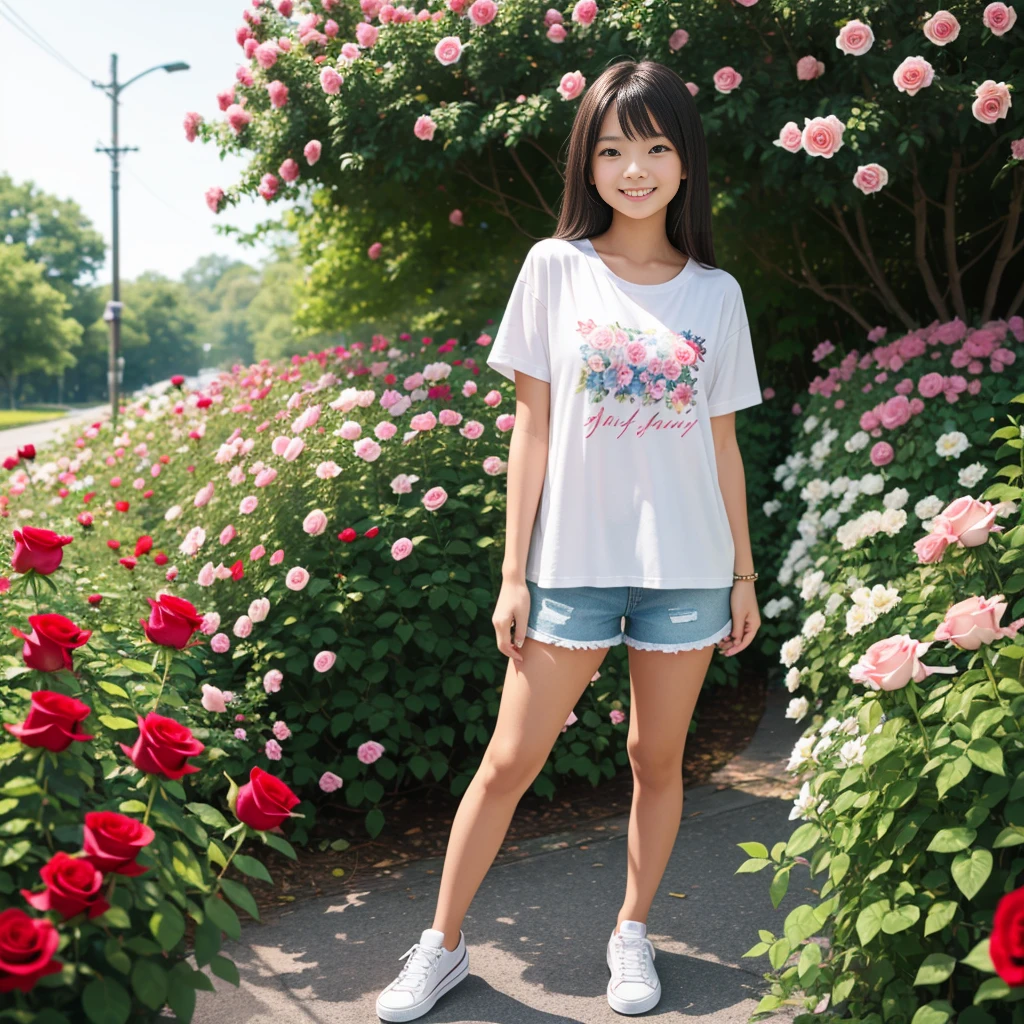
(505,770)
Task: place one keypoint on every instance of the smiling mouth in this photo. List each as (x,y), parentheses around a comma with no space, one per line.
(645,192)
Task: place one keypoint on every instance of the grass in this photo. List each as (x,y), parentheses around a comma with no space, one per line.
(21,417)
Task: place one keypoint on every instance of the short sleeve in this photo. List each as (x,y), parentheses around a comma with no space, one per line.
(521,342)
(734,383)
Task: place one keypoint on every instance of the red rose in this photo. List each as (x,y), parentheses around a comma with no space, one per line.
(53,722)
(121,506)
(264,801)
(148,494)
(113,544)
(85,518)
(1006,945)
(28,452)
(165,459)
(143,545)
(38,549)
(112,842)
(204,402)
(48,648)
(347,535)
(72,886)
(94,598)
(163,746)
(27,945)
(160,558)
(172,621)
(10,462)
(63,492)
(237,570)
(88,496)
(128,563)
(177,380)
(372,531)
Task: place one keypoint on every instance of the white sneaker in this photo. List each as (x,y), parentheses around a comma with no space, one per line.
(430,972)
(634,985)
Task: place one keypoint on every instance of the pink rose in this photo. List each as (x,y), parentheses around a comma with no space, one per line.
(448,49)
(228,534)
(220,643)
(969,521)
(272,681)
(294,449)
(993,101)
(312,151)
(424,129)
(891,663)
(823,136)
(855,38)
(273,750)
(870,178)
(213,698)
(912,75)
(214,198)
(435,498)
(678,39)
(790,138)
(329,782)
(482,12)
(882,453)
(192,122)
(998,18)
(571,85)
(278,93)
(931,547)
(289,170)
(369,751)
(248,505)
(257,553)
(808,68)
(296,578)
(975,621)
(324,661)
(242,627)
(727,78)
(238,117)
(277,557)
(584,12)
(401,548)
(330,81)
(259,609)
(941,28)
(315,523)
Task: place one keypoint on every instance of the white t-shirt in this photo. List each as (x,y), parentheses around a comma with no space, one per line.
(631,494)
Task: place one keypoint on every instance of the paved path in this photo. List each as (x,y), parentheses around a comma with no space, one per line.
(38,433)
(538,926)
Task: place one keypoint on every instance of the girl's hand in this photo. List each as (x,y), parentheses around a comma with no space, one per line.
(746,619)
(511,613)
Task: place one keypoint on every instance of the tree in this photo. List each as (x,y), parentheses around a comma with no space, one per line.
(223,289)
(35,331)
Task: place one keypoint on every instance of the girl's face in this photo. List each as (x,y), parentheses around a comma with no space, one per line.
(651,168)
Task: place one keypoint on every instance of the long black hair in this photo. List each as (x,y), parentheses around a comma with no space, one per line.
(640,89)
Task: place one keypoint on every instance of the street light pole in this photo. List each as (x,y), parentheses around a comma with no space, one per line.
(113,311)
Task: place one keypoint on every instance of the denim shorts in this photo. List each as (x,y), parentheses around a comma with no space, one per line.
(643,617)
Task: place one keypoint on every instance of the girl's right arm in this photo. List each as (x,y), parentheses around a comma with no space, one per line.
(527,465)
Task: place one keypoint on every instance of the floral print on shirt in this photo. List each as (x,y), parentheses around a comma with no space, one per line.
(626,363)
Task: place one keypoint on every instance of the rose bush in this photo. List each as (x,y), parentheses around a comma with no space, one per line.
(903,648)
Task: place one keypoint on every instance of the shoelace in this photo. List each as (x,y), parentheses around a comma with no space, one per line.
(423,961)
(630,962)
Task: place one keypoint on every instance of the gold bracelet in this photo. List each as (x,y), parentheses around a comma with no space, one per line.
(744,576)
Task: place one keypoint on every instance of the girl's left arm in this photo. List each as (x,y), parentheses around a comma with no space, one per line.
(746,618)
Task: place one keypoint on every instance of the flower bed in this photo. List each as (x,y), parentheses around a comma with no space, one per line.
(912,802)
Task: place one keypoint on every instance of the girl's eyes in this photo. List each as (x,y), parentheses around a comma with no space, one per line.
(612,149)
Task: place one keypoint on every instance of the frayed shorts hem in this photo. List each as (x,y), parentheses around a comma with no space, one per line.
(590,645)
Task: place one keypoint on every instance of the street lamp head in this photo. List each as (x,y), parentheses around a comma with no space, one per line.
(179,66)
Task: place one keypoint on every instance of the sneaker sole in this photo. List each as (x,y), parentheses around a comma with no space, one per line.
(456,975)
(630,1006)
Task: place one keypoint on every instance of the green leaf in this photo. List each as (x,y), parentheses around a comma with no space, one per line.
(114,689)
(240,896)
(118,724)
(225,970)
(869,920)
(936,1012)
(952,840)
(209,815)
(374,822)
(754,849)
(1012,835)
(939,915)
(753,865)
(986,753)
(800,924)
(900,918)
(971,871)
(138,666)
(979,958)
(779,886)
(149,982)
(252,867)
(838,867)
(935,968)
(991,988)
(221,914)
(132,807)
(951,774)
(803,839)
(115,917)
(106,1002)
(167,925)
(280,844)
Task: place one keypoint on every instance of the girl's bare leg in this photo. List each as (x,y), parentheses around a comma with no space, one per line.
(535,702)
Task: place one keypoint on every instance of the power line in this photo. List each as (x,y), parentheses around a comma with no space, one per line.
(152,192)
(35,37)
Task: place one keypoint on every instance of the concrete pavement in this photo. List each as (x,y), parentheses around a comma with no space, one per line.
(538,926)
(38,433)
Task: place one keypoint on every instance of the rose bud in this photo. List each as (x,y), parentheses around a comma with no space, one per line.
(112,841)
(48,648)
(372,531)
(172,621)
(177,380)
(149,493)
(63,492)
(348,535)
(85,518)
(10,462)
(113,544)
(204,402)
(264,801)
(160,558)
(28,452)
(53,722)
(88,496)
(143,545)
(129,563)
(165,459)
(38,549)
(237,570)
(121,506)
(163,747)
(72,886)
(27,945)
(94,598)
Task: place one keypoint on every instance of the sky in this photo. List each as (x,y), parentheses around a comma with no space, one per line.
(52,119)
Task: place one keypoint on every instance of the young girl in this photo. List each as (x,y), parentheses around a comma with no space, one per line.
(631,353)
